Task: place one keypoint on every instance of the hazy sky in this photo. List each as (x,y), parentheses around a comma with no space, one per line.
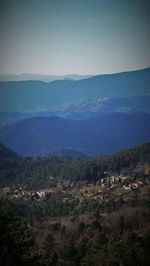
(80,36)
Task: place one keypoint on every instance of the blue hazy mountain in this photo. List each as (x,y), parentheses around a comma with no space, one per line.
(102,135)
(106,105)
(7,118)
(38,96)
(87,109)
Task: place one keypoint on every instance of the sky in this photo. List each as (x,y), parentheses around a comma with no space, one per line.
(74,36)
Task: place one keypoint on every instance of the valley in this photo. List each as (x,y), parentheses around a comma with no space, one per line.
(75,171)
(75,133)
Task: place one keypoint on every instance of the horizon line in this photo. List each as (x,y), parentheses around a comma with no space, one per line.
(71,74)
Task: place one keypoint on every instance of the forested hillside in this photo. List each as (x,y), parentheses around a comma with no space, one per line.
(36,171)
(58,211)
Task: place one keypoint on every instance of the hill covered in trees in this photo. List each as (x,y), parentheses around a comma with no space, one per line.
(36,171)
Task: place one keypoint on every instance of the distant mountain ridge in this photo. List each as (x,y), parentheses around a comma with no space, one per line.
(102,135)
(38,96)
(86,110)
(41,77)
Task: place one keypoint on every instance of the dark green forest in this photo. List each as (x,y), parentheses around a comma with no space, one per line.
(120,238)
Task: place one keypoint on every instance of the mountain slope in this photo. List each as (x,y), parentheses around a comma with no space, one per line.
(6,153)
(36,171)
(37,96)
(67,153)
(102,135)
(91,109)
(86,110)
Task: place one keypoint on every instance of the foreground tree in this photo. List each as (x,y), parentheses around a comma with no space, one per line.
(17,246)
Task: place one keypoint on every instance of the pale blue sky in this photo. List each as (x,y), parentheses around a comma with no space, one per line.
(80,36)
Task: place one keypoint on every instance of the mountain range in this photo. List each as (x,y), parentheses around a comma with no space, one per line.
(101,135)
(38,96)
(92,116)
(86,110)
(41,77)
